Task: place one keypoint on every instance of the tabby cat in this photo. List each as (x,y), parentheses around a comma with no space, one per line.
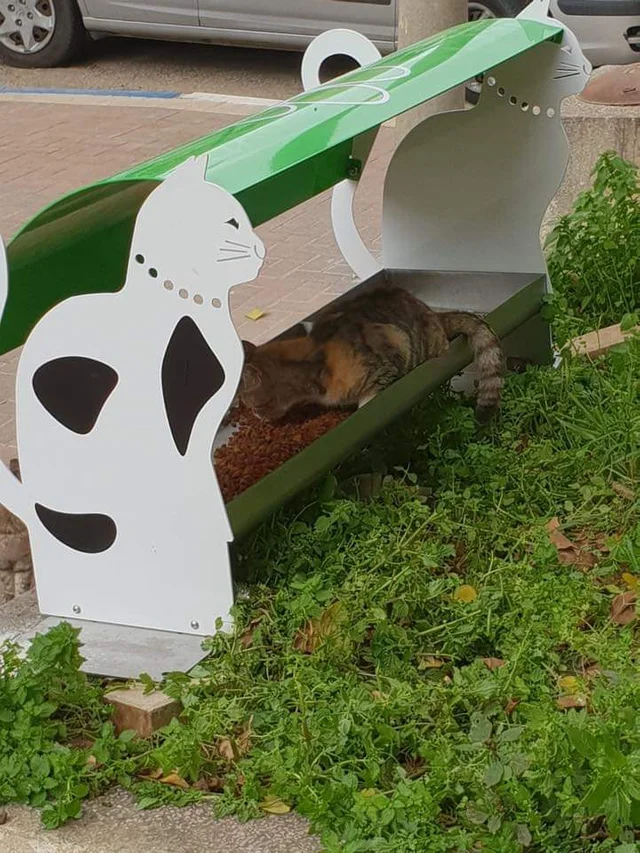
(356,349)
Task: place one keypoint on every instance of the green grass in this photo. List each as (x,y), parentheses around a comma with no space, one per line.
(355,689)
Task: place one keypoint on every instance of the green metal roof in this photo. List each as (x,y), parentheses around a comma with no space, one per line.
(271,161)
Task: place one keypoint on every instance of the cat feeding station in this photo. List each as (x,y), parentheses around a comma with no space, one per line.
(119,294)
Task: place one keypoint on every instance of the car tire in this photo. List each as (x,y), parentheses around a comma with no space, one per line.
(497,8)
(59,40)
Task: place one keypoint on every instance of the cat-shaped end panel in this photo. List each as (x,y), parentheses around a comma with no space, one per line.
(119,398)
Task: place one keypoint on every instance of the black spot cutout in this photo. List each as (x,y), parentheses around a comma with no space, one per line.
(90,533)
(191,375)
(74,389)
(233,222)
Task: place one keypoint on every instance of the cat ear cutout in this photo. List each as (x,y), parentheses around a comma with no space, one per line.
(194,169)
(537,10)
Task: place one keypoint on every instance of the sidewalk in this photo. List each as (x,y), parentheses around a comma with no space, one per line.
(50,147)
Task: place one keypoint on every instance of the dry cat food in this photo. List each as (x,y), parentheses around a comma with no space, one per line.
(259,447)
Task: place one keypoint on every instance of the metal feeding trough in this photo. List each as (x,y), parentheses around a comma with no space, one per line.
(119,293)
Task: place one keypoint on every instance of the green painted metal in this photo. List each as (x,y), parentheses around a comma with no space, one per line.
(261,500)
(271,161)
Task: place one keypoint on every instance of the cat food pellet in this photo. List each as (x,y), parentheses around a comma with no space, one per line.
(255,314)
(258,447)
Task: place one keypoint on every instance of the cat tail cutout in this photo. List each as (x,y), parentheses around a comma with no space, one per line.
(342,42)
(12,492)
(487,354)
(537,10)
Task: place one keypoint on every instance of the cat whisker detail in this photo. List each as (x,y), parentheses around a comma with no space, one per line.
(239,245)
(233,258)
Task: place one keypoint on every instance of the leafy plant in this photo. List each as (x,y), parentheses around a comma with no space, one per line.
(56,743)
(594,252)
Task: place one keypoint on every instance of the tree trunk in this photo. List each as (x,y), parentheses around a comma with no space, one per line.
(418,19)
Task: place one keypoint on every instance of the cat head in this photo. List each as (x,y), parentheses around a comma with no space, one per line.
(271,384)
(193,231)
(573,69)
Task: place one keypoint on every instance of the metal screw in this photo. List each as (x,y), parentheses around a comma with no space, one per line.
(12,8)
(76,609)
(194,624)
(29,15)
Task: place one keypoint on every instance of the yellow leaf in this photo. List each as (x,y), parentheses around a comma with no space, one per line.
(274,805)
(569,684)
(430,662)
(175,780)
(465,593)
(255,314)
(368,792)
(631,580)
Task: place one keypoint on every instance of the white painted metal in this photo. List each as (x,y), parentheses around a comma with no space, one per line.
(358,47)
(467,190)
(168,567)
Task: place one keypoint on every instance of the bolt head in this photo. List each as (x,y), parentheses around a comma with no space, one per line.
(76,609)
(194,624)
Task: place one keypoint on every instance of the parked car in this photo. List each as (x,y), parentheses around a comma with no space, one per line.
(45,33)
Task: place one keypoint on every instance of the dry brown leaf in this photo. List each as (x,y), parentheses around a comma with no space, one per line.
(316,631)
(246,638)
(590,670)
(92,761)
(557,537)
(623,491)
(201,785)
(430,662)
(4,817)
(225,749)
(566,702)
(378,696)
(493,663)
(623,608)
(570,553)
(510,707)
(274,805)
(175,781)
(233,748)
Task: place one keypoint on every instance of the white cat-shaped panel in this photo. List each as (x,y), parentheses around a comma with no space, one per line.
(118,399)
(467,190)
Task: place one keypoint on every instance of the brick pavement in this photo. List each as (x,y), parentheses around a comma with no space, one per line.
(47,149)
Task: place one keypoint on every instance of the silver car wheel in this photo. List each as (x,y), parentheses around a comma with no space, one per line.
(26,26)
(478,11)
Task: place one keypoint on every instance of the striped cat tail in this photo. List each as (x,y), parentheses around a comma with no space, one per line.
(487,353)
(12,493)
